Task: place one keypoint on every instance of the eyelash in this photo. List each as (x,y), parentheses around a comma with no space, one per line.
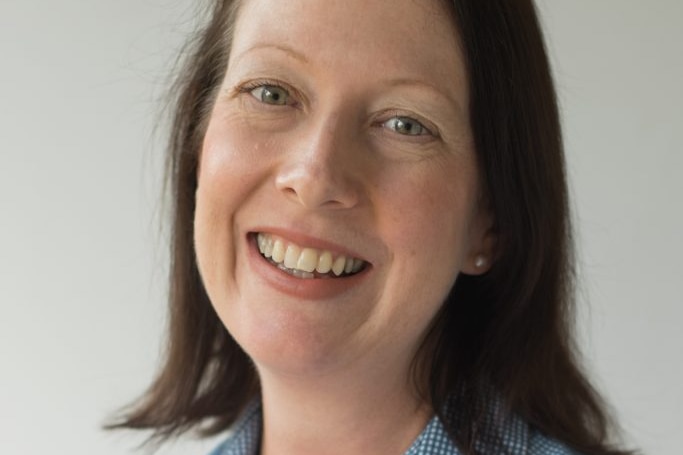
(429,131)
(248,87)
(407,119)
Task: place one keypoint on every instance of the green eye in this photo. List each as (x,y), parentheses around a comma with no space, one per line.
(271,94)
(406,125)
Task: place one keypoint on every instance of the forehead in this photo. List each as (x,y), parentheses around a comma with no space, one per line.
(404,38)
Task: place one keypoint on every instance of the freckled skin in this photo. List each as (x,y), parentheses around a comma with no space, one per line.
(329,165)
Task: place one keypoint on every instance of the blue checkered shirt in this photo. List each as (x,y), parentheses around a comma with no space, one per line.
(517,439)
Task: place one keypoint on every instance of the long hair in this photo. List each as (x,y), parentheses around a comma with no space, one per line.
(509,330)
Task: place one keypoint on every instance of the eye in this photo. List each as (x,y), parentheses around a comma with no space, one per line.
(406,125)
(271,94)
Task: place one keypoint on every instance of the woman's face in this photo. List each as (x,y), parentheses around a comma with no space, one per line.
(338,195)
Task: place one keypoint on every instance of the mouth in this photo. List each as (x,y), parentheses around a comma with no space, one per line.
(306,262)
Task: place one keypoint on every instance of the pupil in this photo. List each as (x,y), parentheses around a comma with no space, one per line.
(405,126)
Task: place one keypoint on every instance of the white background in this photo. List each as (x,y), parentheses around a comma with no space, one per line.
(82,262)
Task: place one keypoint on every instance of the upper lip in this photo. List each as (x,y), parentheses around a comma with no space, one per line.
(306,240)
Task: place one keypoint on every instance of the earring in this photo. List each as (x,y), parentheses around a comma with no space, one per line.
(480,261)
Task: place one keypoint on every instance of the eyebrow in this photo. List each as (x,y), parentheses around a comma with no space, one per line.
(432,88)
(391,82)
(286,49)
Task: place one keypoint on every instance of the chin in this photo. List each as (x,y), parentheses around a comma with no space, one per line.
(282,336)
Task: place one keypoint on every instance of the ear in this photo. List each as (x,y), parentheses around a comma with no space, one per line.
(483,240)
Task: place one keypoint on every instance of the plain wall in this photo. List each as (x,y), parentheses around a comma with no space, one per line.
(82,265)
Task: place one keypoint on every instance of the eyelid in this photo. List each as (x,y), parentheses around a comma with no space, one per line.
(429,127)
(250,85)
(394,122)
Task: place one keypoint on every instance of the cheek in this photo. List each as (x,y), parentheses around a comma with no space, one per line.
(427,211)
(232,165)
(226,177)
(425,220)
(228,158)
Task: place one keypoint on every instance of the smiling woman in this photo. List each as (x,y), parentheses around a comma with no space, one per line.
(371,248)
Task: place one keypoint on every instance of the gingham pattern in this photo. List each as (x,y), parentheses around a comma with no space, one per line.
(245,438)
(516,437)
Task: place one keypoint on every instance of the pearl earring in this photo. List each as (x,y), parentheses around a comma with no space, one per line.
(480,261)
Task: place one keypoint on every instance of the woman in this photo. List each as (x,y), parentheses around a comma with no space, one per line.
(371,247)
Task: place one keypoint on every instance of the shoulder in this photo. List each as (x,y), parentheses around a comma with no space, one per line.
(543,445)
(433,440)
(245,435)
(515,437)
(500,432)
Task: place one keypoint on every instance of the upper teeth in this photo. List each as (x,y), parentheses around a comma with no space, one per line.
(304,259)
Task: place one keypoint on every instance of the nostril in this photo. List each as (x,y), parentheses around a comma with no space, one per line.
(315,186)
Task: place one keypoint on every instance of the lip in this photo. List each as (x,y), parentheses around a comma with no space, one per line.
(304,240)
(307,289)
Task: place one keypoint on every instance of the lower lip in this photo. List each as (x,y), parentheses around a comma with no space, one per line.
(303,288)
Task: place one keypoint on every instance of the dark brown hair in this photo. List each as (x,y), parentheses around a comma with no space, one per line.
(509,330)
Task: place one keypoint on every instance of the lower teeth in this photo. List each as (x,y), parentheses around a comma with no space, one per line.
(296,273)
(305,275)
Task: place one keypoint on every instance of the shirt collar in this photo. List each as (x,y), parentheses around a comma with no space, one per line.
(245,438)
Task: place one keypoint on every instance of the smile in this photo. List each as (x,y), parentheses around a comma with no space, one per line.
(305,262)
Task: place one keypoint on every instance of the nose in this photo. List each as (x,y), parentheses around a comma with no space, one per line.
(321,171)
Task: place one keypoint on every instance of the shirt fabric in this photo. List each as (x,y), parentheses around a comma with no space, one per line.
(517,436)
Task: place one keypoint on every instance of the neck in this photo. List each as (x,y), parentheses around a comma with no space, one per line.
(337,413)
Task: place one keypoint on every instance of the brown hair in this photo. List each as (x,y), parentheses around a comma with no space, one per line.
(509,330)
